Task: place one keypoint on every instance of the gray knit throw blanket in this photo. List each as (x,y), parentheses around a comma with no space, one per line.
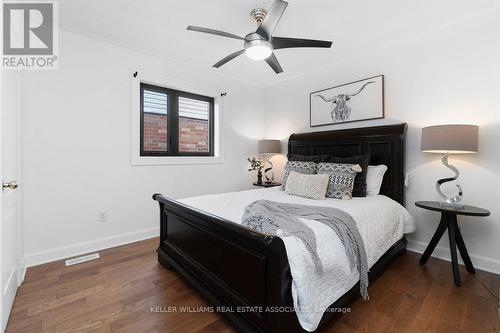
(281,219)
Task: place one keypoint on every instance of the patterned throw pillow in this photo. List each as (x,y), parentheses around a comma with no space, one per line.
(307,168)
(341,179)
(359,189)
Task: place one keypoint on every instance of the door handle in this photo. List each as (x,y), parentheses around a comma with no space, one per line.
(12,185)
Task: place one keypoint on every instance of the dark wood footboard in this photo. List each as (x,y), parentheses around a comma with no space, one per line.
(244,273)
(238,269)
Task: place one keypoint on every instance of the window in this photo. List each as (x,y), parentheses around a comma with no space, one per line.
(175,123)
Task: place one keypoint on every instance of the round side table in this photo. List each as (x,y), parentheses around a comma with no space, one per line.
(449,221)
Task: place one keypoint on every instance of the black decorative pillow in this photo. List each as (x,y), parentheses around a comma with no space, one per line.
(305,158)
(360,180)
(307,168)
(341,182)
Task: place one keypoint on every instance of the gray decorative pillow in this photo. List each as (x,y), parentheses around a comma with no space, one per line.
(341,180)
(308,186)
(307,168)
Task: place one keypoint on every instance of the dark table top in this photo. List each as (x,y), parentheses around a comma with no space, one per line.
(467,210)
(264,184)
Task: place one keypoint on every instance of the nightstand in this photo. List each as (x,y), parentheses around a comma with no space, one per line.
(449,221)
(266,185)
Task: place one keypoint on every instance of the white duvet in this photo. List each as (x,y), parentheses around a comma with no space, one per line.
(381,222)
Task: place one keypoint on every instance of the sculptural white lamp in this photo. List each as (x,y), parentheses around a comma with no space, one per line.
(450,139)
(268,148)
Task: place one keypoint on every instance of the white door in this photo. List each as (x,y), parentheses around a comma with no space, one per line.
(10,240)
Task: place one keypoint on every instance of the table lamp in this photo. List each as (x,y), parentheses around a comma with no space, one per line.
(269,147)
(450,139)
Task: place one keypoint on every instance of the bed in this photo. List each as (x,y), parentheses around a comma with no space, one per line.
(242,271)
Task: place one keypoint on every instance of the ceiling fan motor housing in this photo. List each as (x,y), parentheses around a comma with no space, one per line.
(253,39)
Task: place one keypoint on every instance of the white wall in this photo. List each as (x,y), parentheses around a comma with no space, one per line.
(76,145)
(449,75)
(76,124)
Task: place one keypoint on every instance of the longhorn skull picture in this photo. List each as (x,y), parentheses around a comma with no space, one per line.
(340,108)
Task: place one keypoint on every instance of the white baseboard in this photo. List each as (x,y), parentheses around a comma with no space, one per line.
(64,252)
(479,262)
(21,272)
(8,294)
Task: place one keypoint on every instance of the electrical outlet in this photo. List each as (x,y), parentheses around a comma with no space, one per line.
(407,180)
(103,217)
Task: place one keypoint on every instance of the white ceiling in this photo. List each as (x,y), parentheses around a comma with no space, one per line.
(354,26)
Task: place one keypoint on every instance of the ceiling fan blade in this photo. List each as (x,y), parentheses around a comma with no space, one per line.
(285,43)
(213,32)
(228,58)
(274,63)
(267,27)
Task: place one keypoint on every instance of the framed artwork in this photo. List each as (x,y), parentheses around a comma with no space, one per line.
(354,101)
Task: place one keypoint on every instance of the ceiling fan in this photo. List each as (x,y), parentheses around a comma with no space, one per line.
(259,45)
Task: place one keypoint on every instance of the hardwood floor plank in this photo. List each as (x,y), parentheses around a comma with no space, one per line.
(120,291)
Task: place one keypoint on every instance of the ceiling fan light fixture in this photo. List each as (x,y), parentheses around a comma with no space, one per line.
(258,49)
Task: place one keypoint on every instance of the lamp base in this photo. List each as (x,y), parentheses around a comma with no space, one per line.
(450,201)
(451,205)
(268,172)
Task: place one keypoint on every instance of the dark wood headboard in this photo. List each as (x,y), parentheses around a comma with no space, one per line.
(384,143)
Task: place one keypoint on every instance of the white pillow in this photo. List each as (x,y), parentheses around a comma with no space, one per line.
(374,178)
(309,186)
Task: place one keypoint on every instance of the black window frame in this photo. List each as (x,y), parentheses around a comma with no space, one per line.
(173,121)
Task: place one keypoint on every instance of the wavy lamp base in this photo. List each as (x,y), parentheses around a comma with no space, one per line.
(452,202)
(452,205)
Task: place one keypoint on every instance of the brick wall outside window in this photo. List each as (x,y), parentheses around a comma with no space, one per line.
(193,133)
(155,132)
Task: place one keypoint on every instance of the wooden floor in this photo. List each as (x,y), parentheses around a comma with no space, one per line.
(116,293)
